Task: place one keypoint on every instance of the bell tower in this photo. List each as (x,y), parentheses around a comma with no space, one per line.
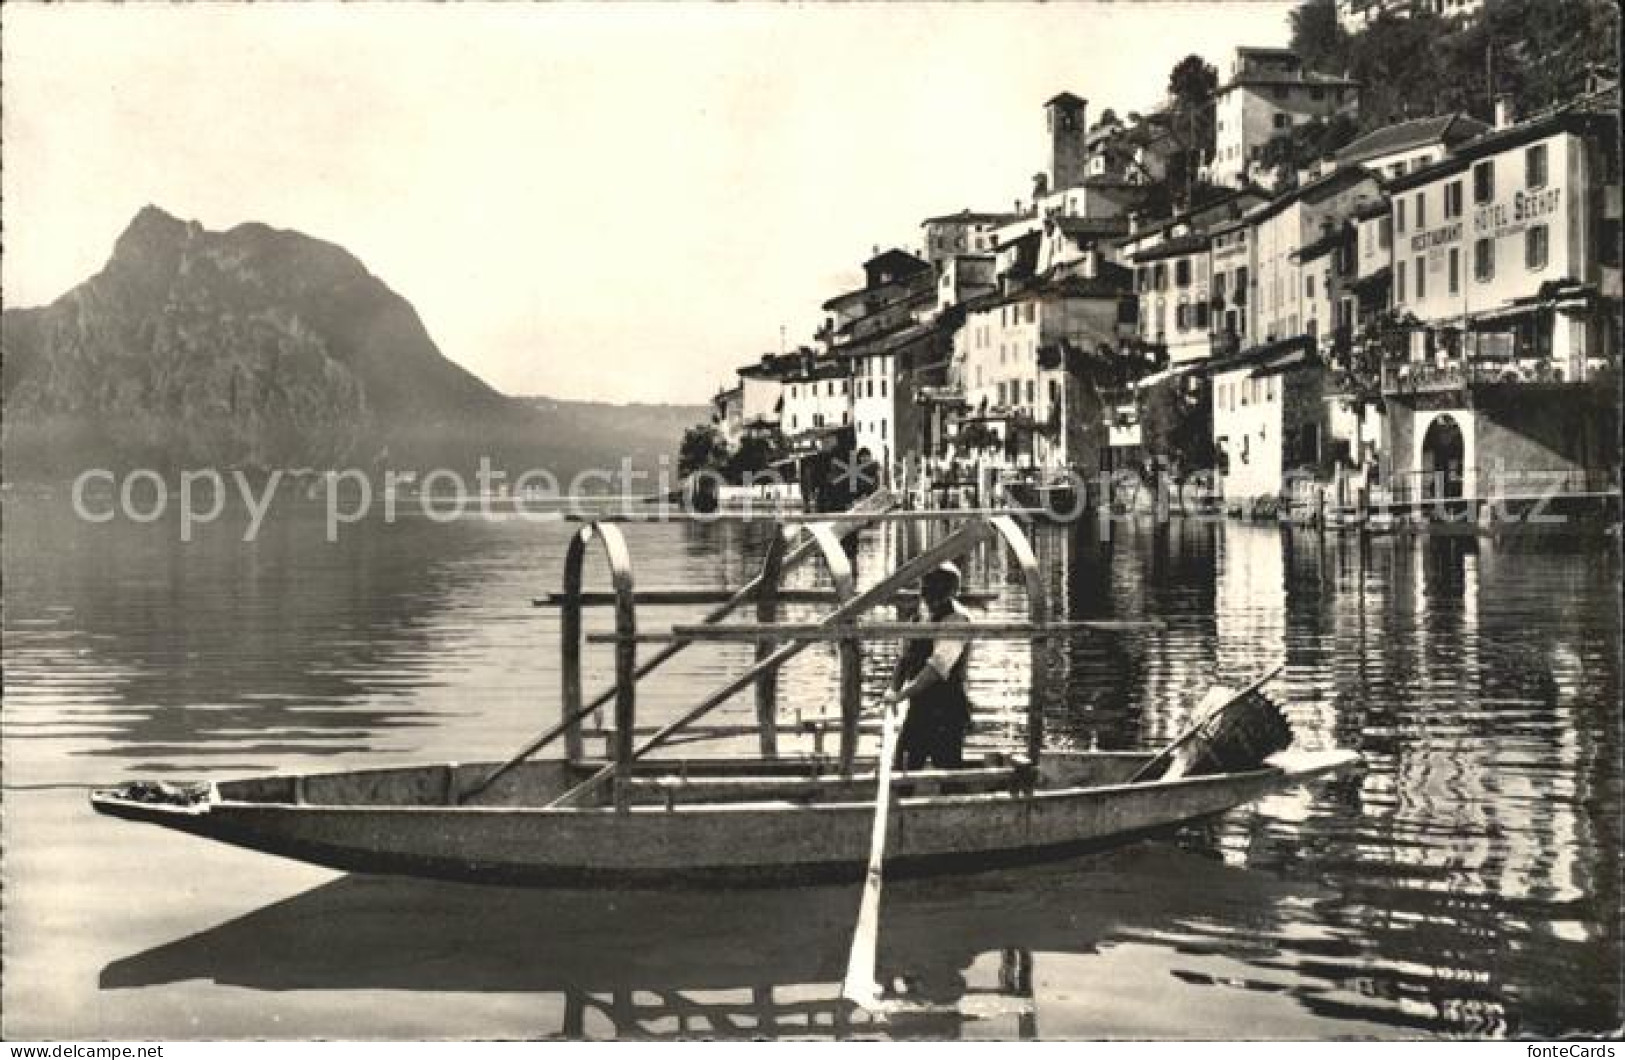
(1065,116)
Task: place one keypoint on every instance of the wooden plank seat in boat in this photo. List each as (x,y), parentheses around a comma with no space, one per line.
(1016,777)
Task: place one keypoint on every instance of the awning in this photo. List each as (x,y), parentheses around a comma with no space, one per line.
(1166,374)
(1286,363)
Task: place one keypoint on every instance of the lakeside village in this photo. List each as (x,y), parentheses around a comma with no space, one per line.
(1421,325)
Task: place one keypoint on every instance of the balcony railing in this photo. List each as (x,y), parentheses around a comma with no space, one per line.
(1422,377)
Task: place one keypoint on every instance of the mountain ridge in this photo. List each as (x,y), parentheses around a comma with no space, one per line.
(259,346)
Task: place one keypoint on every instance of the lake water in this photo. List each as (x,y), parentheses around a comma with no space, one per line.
(1464,883)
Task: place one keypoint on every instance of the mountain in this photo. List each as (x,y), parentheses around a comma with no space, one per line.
(256,347)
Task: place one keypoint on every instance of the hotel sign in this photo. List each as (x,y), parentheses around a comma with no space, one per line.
(1438,237)
(1498,219)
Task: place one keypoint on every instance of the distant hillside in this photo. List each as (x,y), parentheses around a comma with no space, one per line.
(1541,53)
(256,347)
(643,433)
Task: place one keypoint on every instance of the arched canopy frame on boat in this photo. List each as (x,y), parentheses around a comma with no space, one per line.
(827,543)
(570,636)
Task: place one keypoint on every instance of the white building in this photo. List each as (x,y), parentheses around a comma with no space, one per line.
(966,232)
(1489,235)
(1014,358)
(817,396)
(1356,16)
(1394,150)
(761,388)
(1172,280)
(1268,92)
(1286,293)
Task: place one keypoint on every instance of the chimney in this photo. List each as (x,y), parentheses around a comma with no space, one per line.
(1505,111)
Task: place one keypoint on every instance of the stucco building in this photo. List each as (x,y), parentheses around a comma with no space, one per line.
(1268,92)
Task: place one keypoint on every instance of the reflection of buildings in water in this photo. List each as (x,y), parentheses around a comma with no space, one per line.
(754,963)
(1128,689)
(1474,830)
(1250,598)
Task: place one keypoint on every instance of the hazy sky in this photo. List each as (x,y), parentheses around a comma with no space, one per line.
(619,201)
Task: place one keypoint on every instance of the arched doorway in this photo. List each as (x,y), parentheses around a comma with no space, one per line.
(1444,453)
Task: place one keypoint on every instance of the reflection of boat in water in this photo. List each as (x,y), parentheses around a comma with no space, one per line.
(760,818)
(752,963)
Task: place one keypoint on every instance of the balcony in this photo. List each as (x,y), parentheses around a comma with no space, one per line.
(1454,376)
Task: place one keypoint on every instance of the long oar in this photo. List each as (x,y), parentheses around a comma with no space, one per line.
(860,985)
(874,504)
(1152,768)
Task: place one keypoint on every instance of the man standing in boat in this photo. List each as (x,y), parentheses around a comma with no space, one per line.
(930,676)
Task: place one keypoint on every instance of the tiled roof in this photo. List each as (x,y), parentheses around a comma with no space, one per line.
(971,217)
(1308,79)
(1498,140)
(1173,248)
(1443,128)
(1092,226)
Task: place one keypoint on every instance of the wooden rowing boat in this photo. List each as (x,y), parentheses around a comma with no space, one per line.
(700,821)
(775,816)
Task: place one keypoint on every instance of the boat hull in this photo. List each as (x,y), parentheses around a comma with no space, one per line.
(758,843)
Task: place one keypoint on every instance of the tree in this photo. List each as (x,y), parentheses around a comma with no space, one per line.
(1302,145)
(757,453)
(1541,52)
(1191,84)
(702,449)
(1193,81)
(1107,117)
(1316,36)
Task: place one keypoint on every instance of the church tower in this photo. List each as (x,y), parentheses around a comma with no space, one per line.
(1065,116)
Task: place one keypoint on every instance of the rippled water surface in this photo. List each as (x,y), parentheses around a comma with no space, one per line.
(1465,883)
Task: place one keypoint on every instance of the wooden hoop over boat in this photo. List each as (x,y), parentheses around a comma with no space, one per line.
(775,816)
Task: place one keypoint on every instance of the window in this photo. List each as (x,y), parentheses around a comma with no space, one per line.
(1182,272)
(1534,167)
(1455,270)
(1203,316)
(1535,247)
(1484,181)
(1421,210)
(1283,121)
(1140,278)
(1399,215)
(1032,312)
(1452,199)
(1030,385)
(882,388)
(1399,282)
(1484,260)
(1309,286)
(1159,276)
(1001,392)
(1421,278)
(1182,316)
